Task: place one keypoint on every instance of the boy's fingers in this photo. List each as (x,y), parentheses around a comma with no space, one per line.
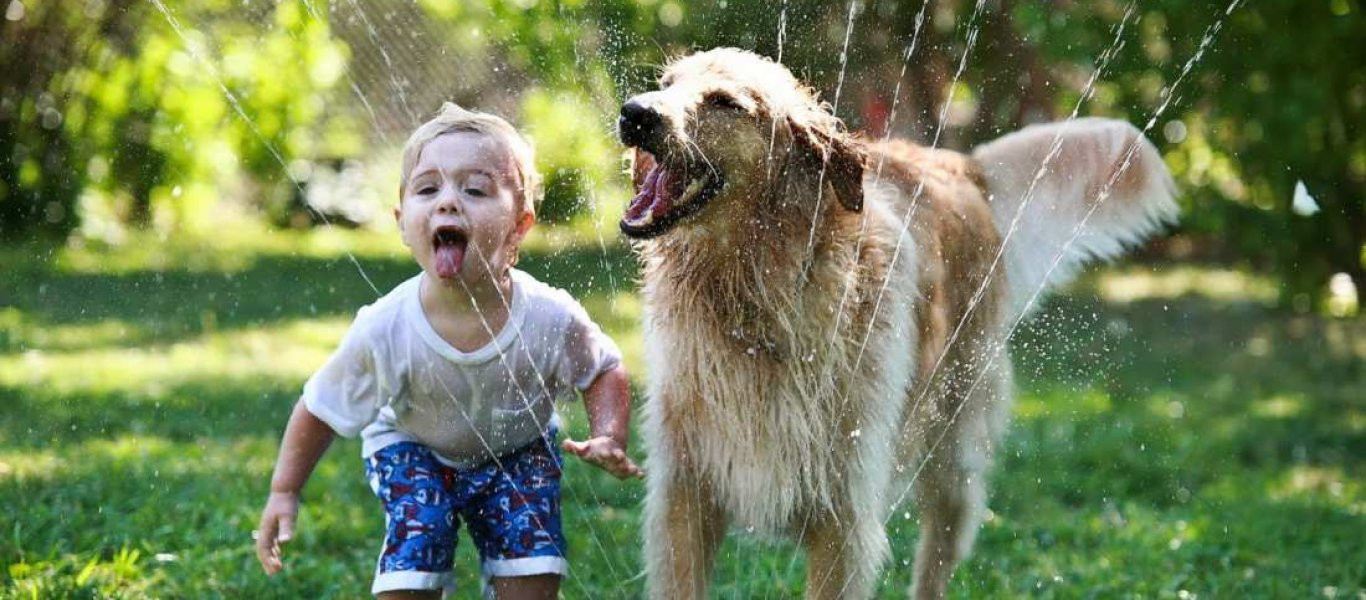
(286,528)
(265,546)
(577,448)
(624,467)
(609,457)
(262,557)
(272,563)
(265,535)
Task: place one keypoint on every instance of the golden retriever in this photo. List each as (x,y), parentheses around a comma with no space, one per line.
(826,317)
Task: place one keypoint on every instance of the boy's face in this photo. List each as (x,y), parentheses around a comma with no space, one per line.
(459,213)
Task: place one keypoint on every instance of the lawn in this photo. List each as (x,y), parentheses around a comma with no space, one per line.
(1174,436)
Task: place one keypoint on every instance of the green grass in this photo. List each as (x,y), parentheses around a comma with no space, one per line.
(1173,437)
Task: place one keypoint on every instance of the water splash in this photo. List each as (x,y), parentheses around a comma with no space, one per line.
(1055,148)
(526,401)
(973,28)
(834,109)
(391,68)
(1168,93)
(251,124)
(773,130)
(881,159)
(353,84)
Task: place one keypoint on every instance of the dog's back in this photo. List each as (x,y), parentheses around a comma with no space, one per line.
(942,196)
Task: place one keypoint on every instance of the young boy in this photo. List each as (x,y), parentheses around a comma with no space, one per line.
(450,381)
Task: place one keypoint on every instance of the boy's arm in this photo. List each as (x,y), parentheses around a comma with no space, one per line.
(608,402)
(306,438)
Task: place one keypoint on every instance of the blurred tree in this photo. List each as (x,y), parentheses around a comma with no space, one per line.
(107,95)
(1278,96)
(42,158)
(129,98)
(1256,113)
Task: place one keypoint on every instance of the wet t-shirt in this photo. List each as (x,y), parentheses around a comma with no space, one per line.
(394,379)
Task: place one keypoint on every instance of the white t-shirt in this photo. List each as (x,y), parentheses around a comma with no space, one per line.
(395,379)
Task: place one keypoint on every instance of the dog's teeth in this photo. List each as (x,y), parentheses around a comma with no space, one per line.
(693,188)
(642,221)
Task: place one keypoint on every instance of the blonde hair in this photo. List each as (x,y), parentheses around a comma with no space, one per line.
(452,119)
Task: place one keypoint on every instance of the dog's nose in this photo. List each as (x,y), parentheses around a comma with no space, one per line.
(639,124)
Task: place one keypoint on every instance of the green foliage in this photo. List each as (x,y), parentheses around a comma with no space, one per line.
(577,156)
(139,101)
(1272,101)
(109,105)
(41,162)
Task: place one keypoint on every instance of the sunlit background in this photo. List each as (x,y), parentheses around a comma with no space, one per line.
(195,197)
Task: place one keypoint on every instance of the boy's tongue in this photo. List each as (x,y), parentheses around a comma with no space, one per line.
(448,258)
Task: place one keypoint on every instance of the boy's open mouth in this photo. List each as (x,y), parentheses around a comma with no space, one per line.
(448,250)
(669,192)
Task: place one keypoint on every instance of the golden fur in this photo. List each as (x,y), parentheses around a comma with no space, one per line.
(807,361)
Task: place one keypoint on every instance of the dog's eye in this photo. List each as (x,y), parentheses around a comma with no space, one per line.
(724,101)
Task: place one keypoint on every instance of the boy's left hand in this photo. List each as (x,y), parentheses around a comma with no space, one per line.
(605,453)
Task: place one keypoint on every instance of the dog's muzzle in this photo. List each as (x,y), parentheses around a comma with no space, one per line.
(640,126)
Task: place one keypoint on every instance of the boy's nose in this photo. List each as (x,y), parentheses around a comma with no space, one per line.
(447,203)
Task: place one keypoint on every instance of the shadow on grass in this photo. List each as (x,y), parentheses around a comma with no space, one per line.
(174,304)
(36,418)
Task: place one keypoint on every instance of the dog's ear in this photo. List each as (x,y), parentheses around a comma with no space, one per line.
(838,153)
(844,167)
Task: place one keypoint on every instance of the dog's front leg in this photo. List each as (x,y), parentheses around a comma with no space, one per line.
(683,529)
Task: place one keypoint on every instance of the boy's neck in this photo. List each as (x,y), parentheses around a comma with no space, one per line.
(485,298)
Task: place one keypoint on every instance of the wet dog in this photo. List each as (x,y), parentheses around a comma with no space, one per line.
(826,317)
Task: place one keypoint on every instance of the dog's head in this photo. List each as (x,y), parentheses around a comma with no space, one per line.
(724,126)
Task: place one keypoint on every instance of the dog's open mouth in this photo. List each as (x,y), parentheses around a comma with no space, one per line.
(668,193)
(448,250)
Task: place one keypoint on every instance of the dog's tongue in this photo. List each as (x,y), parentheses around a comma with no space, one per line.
(447,259)
(655,195)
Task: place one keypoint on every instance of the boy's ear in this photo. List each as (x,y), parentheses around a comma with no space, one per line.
(524,223)
(398,218)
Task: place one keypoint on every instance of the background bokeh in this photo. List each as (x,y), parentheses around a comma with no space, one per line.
(195,198)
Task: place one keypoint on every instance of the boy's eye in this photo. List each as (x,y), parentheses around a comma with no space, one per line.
(426,190)
(476,192)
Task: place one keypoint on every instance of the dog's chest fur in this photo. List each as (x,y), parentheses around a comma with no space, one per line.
(765,383)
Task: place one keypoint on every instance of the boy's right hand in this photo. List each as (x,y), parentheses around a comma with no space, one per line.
(276,527)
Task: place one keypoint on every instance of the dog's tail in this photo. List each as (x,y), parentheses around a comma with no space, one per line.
(1070,192)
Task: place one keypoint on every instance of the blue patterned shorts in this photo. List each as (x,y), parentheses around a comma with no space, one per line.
(511,506)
